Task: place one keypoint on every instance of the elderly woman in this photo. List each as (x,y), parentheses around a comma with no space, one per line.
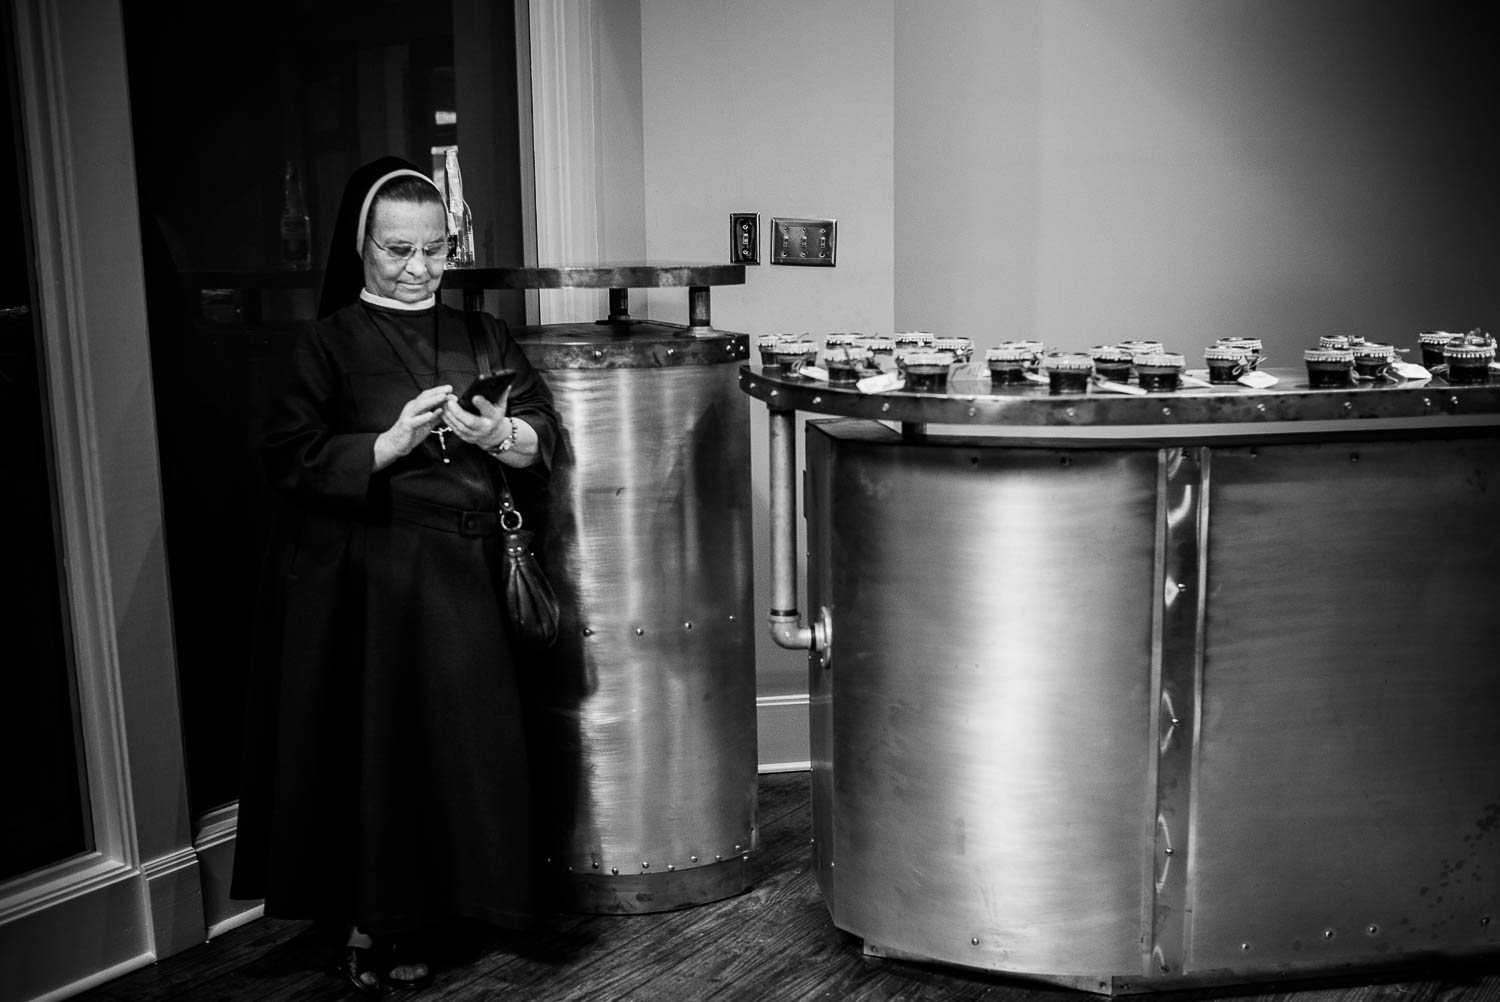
(386,785)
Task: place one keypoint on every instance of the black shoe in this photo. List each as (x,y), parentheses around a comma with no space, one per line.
(359,968)
(398,956)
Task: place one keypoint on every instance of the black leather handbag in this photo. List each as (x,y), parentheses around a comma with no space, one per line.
(530,604)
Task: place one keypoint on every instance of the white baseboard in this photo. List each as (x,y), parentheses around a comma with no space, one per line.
(781,733)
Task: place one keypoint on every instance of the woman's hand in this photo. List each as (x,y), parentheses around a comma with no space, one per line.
(418,417)
(487,429)
(510,440)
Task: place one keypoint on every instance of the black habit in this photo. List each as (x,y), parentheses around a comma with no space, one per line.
(386,782)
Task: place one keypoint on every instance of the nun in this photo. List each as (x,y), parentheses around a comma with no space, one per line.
(385,788)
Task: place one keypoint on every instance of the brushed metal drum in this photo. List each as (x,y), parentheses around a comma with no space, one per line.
(1347,791)
(982,763)
(649,726)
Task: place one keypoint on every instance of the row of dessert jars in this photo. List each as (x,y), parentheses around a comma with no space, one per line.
(1333,363)
(1467,356)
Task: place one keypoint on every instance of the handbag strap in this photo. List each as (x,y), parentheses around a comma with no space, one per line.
(479,345)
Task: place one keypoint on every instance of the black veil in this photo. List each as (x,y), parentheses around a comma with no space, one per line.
(344,274)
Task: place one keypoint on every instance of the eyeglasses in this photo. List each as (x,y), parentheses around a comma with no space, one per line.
(403,252)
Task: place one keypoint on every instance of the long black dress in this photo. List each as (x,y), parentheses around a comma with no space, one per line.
(386,781)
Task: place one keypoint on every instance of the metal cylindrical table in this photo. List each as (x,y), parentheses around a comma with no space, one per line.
(649,781)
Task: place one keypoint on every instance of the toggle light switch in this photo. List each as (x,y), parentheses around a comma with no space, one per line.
(804,241)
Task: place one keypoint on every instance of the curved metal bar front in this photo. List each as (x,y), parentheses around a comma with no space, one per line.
(1138,693)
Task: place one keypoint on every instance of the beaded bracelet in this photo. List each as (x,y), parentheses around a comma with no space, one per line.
(508,441)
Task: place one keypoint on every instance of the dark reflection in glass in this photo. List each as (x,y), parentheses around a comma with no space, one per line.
(246,116)
(42,785)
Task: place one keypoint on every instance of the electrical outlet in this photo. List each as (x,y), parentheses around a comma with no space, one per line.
(744,238)
(804,241)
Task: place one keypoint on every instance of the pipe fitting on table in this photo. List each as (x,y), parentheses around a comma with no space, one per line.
(787,628)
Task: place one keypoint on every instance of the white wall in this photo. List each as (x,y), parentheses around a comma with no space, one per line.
(1085,171)
(784,108)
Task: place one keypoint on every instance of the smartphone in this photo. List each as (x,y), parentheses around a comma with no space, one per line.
(491,387)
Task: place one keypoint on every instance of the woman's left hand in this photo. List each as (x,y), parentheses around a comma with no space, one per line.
(487,429)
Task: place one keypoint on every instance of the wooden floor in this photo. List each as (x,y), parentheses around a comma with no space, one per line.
(774,943)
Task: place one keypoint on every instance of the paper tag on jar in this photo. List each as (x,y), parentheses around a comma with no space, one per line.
(881,383)
(1037,377)
(1410,370)
(1257,380)
(1110,386)
(974,372)
(1187,380)
(813,372)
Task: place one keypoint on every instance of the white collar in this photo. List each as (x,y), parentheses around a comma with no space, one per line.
(367,296)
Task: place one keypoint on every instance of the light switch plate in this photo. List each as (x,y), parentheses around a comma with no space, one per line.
(804,241)
(744,238)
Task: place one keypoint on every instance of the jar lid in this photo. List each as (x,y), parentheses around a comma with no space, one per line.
(1249,343)
(834,340)
(1226,352)
(1328,354)
(1068,361)
(929,358)
(770,340)
(1110,353)
(913,337)
(846,353)
(1335,341)
(1161,359)
(1457,349)
(953,344)
(795,346)
(1139,347)
(1008,353)
(876,343)
(1375,349)
(1438,338)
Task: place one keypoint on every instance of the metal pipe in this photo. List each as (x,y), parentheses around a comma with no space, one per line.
(786,626)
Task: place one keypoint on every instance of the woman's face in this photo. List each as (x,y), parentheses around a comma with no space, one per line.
(399,244)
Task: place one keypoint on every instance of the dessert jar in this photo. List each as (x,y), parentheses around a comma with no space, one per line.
(766,345)
(1328,367)
(1431,343)
(1253,345)
(847,364)
(1468,359)
(1112,362)
(1068,371)
(1007,364)
(1372,359)
(912,339)
(927,370)
(1226,362)
(792,353)
(1159,371)
(961,347)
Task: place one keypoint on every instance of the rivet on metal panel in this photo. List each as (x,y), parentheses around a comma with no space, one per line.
(752,386)
(884,408)
(671,352)
(1169,851)
(645,864)
(1453,401)
(639,632)
(596,864)
(775,393)
(671,867)
(615,870)
(1245,947)
(1072,412)
(973,940)
(687,626)
(817,400)
(1327,933)
(598,353)
(731,617)
(1372,929)
(1348,405)
(1484,920)
(588,631)
(693,859)
(570,867)
(1261,408)
(718,858)
(1353,457)
(1175,721)
(973,411)
(1166,412)
(736,847)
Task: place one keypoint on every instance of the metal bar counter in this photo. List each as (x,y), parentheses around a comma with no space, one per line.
(1136,693)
